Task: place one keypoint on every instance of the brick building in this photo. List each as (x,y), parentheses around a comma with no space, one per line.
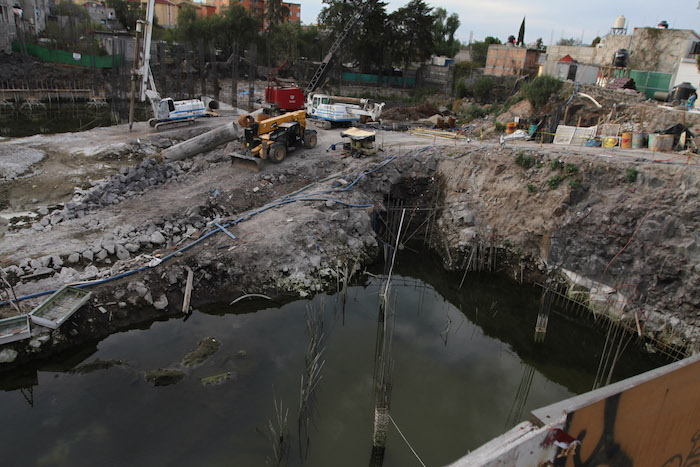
(504,60)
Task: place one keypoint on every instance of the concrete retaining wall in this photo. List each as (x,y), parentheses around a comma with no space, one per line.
(650,419)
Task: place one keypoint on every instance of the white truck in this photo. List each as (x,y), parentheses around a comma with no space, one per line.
(335,109)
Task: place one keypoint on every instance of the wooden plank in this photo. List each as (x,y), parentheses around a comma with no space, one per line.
(188,291)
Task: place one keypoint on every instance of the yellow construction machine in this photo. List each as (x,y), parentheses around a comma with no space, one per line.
(272,138)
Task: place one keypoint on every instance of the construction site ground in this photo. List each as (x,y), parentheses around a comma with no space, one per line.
(299,224)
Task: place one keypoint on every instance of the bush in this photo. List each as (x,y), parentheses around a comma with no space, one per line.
(511,101)
(482,89)
(554,182)
(631,175)
(473,112)
(461,90)
(500,127)
(570,169)
(573,184)
(538,90)
(524,160)
(531,188)
(463,70)
(554,165)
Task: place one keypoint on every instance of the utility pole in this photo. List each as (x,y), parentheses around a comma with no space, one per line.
(252,55)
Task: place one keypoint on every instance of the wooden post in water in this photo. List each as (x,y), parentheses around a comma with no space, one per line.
(188,291)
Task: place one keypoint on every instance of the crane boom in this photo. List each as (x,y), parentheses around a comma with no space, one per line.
(324,67)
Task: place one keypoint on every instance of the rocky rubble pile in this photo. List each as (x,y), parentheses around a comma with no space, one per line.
(128,183)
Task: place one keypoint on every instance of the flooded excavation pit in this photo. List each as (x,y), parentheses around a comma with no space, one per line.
(463,368)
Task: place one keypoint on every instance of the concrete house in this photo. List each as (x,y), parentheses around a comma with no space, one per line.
(7,26)
(666,57)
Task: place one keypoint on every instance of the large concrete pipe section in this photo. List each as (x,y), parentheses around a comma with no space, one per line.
(202,143)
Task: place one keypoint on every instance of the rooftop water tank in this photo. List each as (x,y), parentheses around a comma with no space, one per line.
(620,22)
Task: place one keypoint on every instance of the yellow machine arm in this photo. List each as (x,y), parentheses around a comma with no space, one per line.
(266,126)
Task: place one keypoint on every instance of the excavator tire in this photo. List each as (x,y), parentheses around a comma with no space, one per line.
(245,121)
(152,122)
(277,152)
(310,139)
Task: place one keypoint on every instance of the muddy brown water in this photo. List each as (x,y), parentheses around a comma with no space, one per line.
(452,391)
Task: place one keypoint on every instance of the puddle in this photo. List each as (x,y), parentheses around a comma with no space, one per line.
(452,390)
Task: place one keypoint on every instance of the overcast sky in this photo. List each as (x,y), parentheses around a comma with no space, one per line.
(548,19)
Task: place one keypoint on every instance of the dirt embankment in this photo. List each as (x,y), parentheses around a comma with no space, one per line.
(630,226)
(304,225)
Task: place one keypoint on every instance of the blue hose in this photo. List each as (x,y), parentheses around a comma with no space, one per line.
(280,202)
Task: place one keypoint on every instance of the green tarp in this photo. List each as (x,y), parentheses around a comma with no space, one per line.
(69,58)
(650,82)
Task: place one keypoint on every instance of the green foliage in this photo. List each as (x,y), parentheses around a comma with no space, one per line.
(570,169)
(525,160)
(421,93)
(494,109)
(573,184)
(570,41)
(510,102)
(444,30)
(372,45)
(234,24)
(414,25)
(461,90)
(473,112)
(596,41)
(128,13)
(531,188)
(554,165)
(554,182)
(631,175)
(481,49)
(499,127)
(459,72)
(276,13)
(538,90)
(482,89)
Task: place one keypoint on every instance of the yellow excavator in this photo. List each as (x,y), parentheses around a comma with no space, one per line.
(272,138)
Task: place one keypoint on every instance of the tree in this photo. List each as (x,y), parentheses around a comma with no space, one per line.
(275,13)
(480,49)
(596,41)
(570,41)
(521,33)
(414,33)
(444,33)
(189,24)
(373,38)
(538,43)
(128,12)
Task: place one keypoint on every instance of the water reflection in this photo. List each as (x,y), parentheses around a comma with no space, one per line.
(464,367)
